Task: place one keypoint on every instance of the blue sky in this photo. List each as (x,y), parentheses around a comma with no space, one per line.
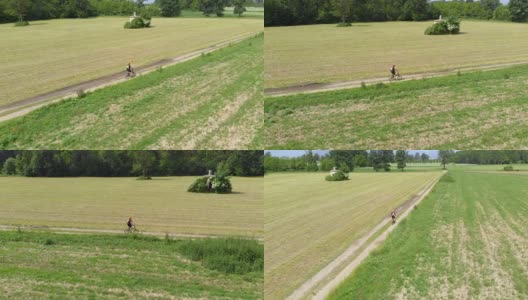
(294,153)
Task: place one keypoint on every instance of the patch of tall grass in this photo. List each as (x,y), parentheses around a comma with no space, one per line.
(231,255)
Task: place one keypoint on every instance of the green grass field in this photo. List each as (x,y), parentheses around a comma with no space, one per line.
(211,102)
(326,53)
(309,221)
(476,110)
(466,240)
(53,54)
(63,266)
(161,205)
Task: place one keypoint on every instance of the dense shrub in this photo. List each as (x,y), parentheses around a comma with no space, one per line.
(449,26)
(21,23)
(233,256)
(338,176)
(508,168)
(138,23)
(219,185)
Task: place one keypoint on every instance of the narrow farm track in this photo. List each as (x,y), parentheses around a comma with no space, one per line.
(308,88)
(402,211)
(74,230)
(22,107)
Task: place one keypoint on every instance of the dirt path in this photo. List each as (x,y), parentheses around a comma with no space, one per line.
(323,274)
(73,230)
(323,87)
(20,108)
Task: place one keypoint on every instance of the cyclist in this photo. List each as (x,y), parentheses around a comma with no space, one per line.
(130,70)
(393,216)
(393,71)
(130,224)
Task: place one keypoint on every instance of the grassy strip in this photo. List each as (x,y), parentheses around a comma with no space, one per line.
(469,110)
(118,266)
(138,114)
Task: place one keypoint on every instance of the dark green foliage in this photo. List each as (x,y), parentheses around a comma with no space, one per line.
(337,176)
(199,186)
(401,157)
(77,9)
(451,25)
(138,23)
(219,185)
(346,24)
(473,10)
(519,10)
(508,168)
(170,8)
(10,166)
(239,7)
(415,10)
(49,242)
(209,7)
(21,23)
(232,255)
(445,156)
(132,163)
(502,13)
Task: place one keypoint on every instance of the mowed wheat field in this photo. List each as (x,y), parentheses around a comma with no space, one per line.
(467,240)
(159,205)
(52,54)
(309,221)
(326,53)
(211,102)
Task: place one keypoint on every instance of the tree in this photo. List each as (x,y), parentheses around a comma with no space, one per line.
(20,8)
(519,10)
(424,157)
(445,155)
(144,162)
(342,9)
(490,6)
(239,7)
(10,166)
(401,157)
(415,10)
(140,3)
(170,8)
(209,7)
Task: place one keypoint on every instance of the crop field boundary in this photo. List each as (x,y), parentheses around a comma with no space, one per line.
(351,251)
(315,87)
(22,107)
(73,230)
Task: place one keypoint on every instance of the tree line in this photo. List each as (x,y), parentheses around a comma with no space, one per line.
(490,157)
(302,12)
(29,10)
(128,163)
(345,160)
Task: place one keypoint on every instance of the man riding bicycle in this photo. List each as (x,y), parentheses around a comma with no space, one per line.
(393,71)
(393,216)
(130,71)
(130,224)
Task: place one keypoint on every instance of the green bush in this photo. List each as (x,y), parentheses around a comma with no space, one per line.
(449,26)
(338,176)
(21,23)
(219,185)
(231,255)
(138,23)
(508,168)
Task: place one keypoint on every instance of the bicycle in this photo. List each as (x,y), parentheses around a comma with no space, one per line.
(132,229)
(396,76)
(130,75)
